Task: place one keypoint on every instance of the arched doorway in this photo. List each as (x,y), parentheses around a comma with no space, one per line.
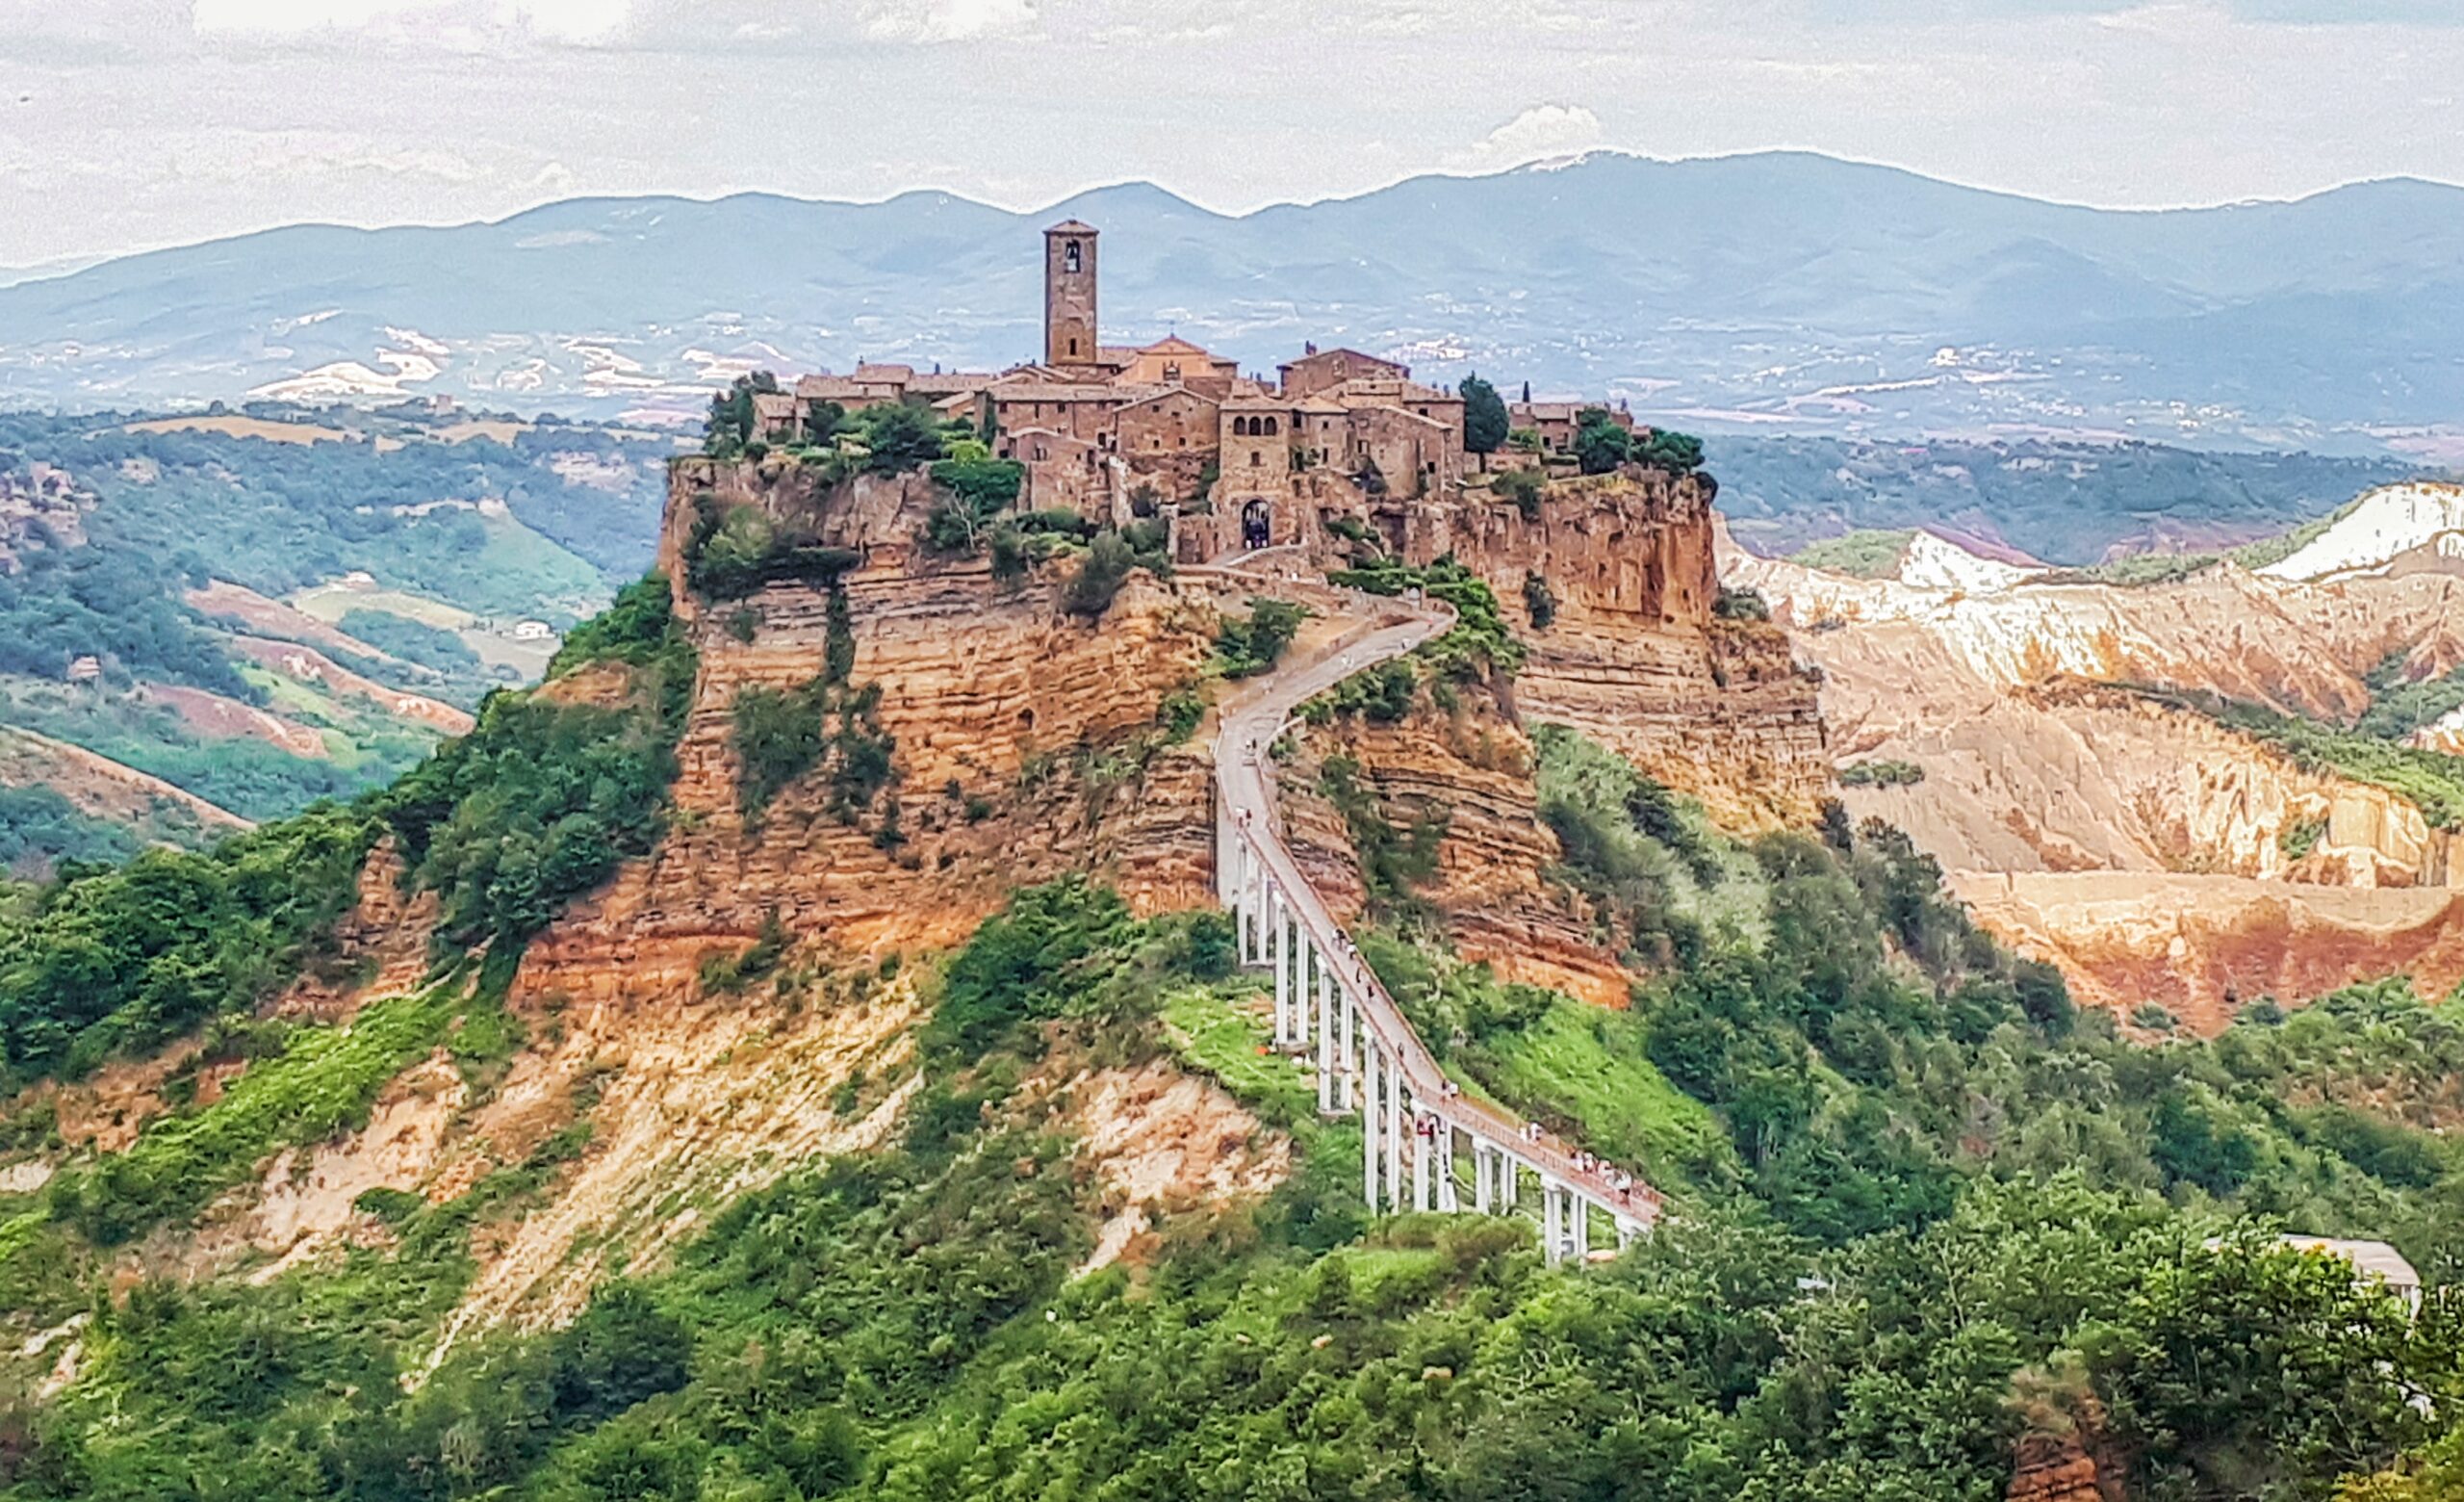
(1255,530)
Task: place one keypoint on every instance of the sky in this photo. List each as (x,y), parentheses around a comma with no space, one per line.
(131,124)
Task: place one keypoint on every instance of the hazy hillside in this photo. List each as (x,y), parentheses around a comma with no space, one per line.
(1843,298)
(2059,503)
(232,616)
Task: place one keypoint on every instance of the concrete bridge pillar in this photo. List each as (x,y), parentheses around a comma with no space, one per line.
(1328,1024)
(1368,1122)
(1279,953)
(1552,1223)
(1392,1128)
(1421,1133)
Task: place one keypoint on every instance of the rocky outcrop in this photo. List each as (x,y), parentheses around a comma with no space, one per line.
(2057,793)
(1469,769)
(2050,1470)
(2202,946)
(1637,655)
(1025,745)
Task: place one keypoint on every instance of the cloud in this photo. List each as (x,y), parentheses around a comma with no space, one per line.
(928,21)
(1543,130)
(453,21)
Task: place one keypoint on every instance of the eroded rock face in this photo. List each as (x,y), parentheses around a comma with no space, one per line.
(2202,946)
(1490,891)
(2153,854)
(1015,728)
(1637,656)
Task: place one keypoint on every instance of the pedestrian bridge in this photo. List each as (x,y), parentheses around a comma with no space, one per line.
(1330,1010)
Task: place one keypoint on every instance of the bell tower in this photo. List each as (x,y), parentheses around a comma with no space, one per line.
(1070,294)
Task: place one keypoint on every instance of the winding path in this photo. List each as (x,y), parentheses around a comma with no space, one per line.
(1327,1000)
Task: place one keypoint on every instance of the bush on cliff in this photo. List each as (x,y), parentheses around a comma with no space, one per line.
(1099,576)
(1479,647)
(975,490)
(1601,443)
(544,797)
(1523,487)
(1679,454)
(1539,601)
(732,550)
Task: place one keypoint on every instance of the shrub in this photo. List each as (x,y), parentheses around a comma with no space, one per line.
(1679,454)
(542,799)
(1538,601)
(733,550)
(1394,864)
(1179,715)
(1523,487)
(779,735)
(1053,945)
(976,489)
(1881,774)
(1099,577)
(123,959)
(1252,646)
(1740,605)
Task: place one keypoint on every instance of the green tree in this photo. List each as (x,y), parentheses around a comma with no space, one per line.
(1484,419)
(1601,445)
(1108,561)
(899,437)
(1679,454)
(730,425)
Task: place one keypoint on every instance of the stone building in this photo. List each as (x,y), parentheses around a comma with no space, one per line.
(1175,426)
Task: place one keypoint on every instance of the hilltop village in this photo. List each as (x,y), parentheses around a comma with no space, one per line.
(1107,429)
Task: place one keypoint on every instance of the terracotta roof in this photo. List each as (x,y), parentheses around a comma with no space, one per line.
(1073,227)
(900,374)
(774,403)
(950,382)
(1328,355)
(1320,406)
(1172,344)
(1172,391)
(829,388)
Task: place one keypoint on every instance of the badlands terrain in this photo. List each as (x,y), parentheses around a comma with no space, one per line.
(2077,751)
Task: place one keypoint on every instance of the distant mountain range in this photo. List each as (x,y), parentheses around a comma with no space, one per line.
(1741,291)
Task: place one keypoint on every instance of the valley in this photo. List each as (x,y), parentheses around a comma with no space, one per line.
(266,607)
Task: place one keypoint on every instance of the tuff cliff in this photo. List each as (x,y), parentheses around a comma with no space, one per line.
(1638,652)
(1023,745)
